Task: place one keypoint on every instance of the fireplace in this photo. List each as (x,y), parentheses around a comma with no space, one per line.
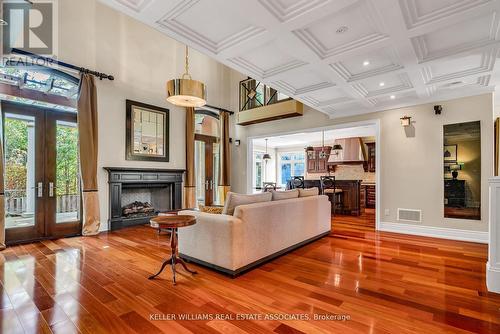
(137,194)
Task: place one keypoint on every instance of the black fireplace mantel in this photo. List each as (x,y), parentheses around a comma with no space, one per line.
(124,177)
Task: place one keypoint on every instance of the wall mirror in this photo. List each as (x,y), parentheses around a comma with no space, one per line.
(462,170)
(147,132)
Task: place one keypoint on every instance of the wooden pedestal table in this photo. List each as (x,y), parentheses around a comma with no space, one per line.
(173,223)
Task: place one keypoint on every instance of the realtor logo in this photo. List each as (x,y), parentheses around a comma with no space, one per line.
(29,26)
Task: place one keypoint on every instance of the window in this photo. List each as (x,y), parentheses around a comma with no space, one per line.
(258,169)
(52,83)
(290,164)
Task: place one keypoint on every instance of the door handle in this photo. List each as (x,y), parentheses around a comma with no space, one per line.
(39,189)
(211,184)
(51,189)
(206,185)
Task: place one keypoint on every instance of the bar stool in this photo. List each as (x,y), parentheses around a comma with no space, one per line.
(268,186)
(297,182)
(328,187)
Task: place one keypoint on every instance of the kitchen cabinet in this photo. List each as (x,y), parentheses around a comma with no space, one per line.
(317,164)
(367,196)
(371,157)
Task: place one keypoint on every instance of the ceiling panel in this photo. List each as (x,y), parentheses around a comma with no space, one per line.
(369,64)
(341,57)
(336,33)
(474,33)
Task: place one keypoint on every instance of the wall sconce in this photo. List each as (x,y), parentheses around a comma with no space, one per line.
(405,121)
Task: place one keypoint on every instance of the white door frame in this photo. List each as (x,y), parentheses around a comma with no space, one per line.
(378,165)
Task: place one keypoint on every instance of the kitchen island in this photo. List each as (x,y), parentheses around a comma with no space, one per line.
(351,190)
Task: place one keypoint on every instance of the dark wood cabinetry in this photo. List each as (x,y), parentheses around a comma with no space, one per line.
(370,196)
(370,157)
(317,164)
(367,196)
(350,191)
(454,193)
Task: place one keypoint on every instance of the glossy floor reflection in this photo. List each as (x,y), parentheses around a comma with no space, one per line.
(386,283)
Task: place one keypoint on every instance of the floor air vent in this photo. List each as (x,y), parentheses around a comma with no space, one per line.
(410,215)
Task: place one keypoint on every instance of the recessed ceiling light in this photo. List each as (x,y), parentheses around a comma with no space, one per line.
(366,63)
(392,97)
(382,84)
(342,29)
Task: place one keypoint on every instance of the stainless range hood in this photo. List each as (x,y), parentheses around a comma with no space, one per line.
(352,152)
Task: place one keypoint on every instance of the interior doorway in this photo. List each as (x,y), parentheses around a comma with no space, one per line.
(348,152)
(42,181)
(207,157)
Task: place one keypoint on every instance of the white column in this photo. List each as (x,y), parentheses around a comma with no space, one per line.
(493,265)
(30,171)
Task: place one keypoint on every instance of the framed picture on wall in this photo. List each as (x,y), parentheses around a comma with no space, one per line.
(450,153)
(147,132)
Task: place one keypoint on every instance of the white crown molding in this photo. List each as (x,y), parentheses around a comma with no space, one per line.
(370,14)
(423,54)
(413,19)
(169,22)
(349,77)
(323,53)
(288,13)
(297,29)
(288,88)
(435,232)
(137,6)
(488,60)
(261,73)
(406,84)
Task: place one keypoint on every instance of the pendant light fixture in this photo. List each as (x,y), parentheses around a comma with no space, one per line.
(310,152)
(334,155)
(266,156)
(186,92)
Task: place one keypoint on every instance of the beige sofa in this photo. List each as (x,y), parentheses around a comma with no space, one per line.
(256,233)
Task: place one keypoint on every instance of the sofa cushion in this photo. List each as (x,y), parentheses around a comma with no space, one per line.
(234,199)
(309,192)
(286,194)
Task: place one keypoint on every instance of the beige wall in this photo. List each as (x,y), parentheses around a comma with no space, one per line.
(142,60)
(411,170)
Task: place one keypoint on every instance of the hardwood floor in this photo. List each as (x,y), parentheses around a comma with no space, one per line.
(380,282)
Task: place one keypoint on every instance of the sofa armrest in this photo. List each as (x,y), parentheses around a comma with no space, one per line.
(213,239)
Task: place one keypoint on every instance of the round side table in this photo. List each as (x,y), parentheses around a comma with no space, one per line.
(173,223)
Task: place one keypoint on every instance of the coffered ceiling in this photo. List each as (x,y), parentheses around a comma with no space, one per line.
(342,57)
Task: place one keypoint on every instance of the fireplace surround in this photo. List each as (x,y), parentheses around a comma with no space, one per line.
(133,191)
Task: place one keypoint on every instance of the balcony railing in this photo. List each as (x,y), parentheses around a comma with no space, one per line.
(16,202)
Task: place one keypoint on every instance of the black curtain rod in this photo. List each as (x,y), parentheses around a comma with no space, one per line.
(61,63)
(220,109)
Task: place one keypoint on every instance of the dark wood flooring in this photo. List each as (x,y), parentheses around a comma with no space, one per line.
(374,282)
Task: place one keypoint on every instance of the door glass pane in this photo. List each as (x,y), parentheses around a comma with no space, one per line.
(19,171)
(286,173)
(199,167)
(298,169)
(67,186)
(216,174)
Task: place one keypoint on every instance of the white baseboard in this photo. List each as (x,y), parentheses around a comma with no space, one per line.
(492,278)
(436,232)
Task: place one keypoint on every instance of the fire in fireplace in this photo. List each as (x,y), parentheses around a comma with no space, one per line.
(138,209)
